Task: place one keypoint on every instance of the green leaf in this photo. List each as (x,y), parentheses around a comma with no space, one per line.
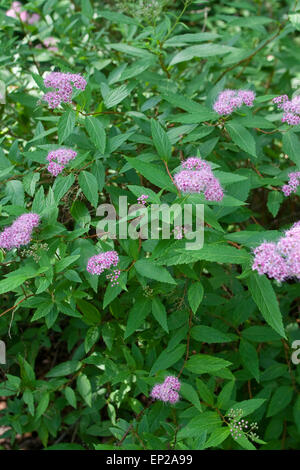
(85,389)
(64,369)
(264,296)
(167,358)
(195,295)
(280,400)
(153,173)
(159,313)
(161,140)
(91,338)
(208,334)
(203,50)
(117,95)
(117,18)
(249,406)
(219,253)
(208,421)
(66,125)
(61,186)
(241,137)
(42,405)
(217,437)
(275,199)
(89,186)
(249,358)
(290,145)
(260,334)
(189,393)
(137,315)
(70,396)
(96,132)
(205,364)
(149,269)
(65,262)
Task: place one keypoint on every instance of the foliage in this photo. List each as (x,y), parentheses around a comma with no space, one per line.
(83,355)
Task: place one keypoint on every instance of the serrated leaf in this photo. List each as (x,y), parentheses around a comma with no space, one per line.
(264,296)
(242,137)
(96,132)
(195,295)
(159,313)
(89,186)
(66,125)
(161,140)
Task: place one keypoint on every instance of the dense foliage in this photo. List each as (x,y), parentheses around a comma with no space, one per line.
(83,353)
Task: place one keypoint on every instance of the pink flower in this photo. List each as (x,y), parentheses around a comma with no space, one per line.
(59,159)
(280,260)
(16,12)
(34,18)
(142,199)
(105,260)
(63,84)
(167,391)
(230,100)
(19,233)
(293,183)
(50,43)
(198,180)
(291,109)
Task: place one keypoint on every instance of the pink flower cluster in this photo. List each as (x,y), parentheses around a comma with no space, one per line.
(280,260)
(230,100)
(15,11)
(59,159)
(167,391)
(98,263)
(196,176)
(179,232)
(293,183)
(142,199)
(63,84)
(19,233)
(49,43)
(291,109)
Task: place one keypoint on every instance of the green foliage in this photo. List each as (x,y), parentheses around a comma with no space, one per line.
(83,355)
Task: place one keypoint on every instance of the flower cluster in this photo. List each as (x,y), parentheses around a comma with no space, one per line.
(196,176)
(230,100)
(240,426)
(49,43)
(19,233)
(63,84)
(293,183)
(59,159)
(280,260)
(291,109)
(16,11)
(167,391)
(98,263)
(142,199)
(114,276)
(34,250)
(179,232)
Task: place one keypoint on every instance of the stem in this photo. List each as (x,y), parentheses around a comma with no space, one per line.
(250,57)
(15,306)
(187,354)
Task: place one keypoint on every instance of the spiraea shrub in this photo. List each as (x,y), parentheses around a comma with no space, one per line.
(120,335)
